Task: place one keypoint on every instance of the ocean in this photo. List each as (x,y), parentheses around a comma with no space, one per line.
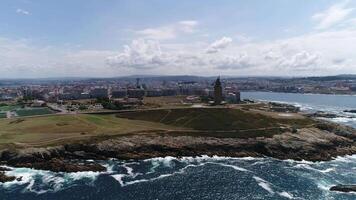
(203,177)
(335,104)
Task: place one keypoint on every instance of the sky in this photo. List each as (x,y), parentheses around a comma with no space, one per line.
(112,38)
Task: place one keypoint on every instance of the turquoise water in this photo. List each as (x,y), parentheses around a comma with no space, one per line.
(201,177)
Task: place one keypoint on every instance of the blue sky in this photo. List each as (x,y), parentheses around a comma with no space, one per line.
(41,38)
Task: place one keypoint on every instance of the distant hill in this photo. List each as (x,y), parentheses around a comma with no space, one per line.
(332,78)
(178,78)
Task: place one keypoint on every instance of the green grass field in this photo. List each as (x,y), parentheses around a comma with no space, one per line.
(33,111)
(22,112)
(215,122)
(212,118)
(44,130)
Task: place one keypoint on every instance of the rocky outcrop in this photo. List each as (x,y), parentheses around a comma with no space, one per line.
(350,111)
(60,165)
(322,114)
(343,188)
(313,144)
(4,178)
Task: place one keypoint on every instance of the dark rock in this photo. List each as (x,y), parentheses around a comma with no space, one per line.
(322,142)
(4,169)
(4,178)
(57,165)
(350,111)
(323,115)
(344,188)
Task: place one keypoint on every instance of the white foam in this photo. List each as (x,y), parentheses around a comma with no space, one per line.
(119,177)
(53,181)
(327,170)
(167,161)
(306,166)
(137,181)
(152,179)
(286,195)
(264,184)
(129,170)
(260,162)
(231,166)
(29,176)
(109,168)
(31,189)
(80,175)
(26,174)
(323,185)
(342,119)
(345,159)
(153,168)
(298,162)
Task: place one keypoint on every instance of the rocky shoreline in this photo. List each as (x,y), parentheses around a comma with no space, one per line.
(343,188)
(320,143)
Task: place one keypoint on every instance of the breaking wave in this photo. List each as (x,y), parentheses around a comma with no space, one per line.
(42,181)
(264,176)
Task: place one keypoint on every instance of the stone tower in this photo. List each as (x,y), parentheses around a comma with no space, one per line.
(217,92)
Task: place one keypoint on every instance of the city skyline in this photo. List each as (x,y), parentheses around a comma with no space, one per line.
(40,39)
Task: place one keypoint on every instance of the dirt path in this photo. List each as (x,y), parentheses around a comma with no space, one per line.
(8,114)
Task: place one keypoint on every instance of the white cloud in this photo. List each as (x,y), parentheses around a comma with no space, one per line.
(240,61)
(300,61)
(22,12)
(218,45)
(332,16)
(303,55)
(169,31)
(140,54)
(21,58)
(309,54)
(188,26)
(147,55)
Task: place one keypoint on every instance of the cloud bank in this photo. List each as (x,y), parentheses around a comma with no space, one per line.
(327,49)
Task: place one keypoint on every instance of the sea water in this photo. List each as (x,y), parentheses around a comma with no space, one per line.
(201,177)
(335,104)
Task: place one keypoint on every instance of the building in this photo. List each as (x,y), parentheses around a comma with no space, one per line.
(154,93)
(38,103)
(169,92)
(99,93)
(233,97)
(118,93)
(136,93)
(218,92)
(238,96)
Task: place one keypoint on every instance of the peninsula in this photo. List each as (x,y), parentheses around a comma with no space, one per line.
(56,142)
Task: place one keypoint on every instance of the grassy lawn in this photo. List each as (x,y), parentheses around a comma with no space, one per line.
(38,131)
(214,122)
(165,101)
(25,111)
(211,118)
